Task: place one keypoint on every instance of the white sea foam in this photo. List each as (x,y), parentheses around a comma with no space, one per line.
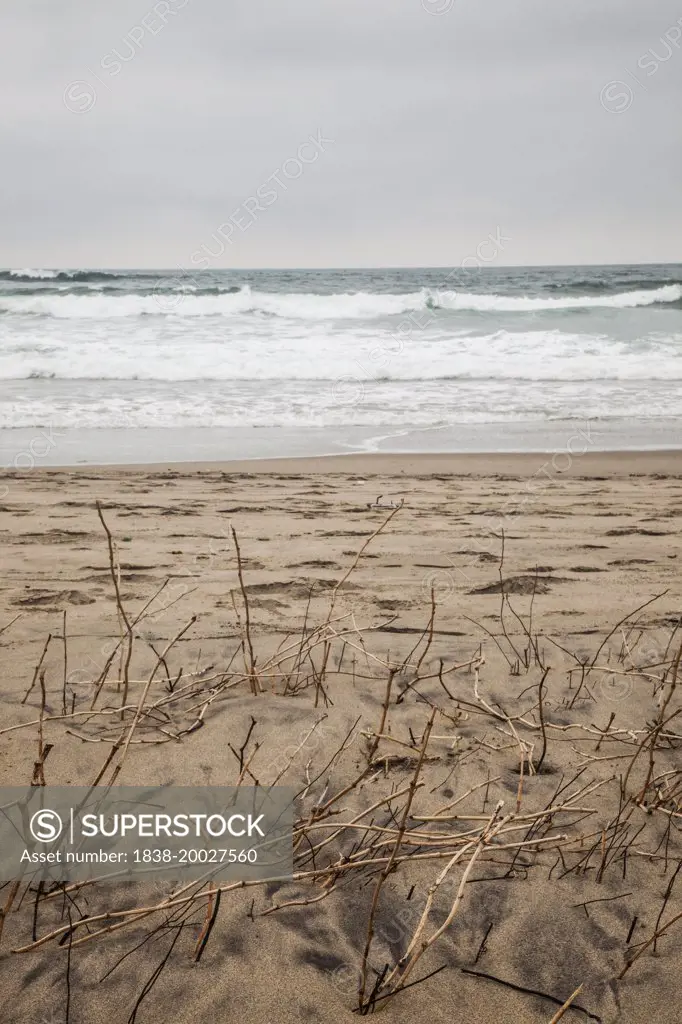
(290,405)
(38,275)
(307,306)
(251,351)
(523,304)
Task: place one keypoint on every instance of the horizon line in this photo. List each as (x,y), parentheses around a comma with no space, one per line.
(388,266)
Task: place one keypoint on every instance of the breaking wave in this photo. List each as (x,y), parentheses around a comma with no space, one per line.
(308,306)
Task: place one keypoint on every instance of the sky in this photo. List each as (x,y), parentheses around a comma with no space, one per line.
(144,134)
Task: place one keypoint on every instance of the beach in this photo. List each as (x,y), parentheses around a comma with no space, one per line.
(340,514)
(518,568)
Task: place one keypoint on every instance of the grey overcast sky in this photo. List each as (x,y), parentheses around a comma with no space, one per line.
(557,123)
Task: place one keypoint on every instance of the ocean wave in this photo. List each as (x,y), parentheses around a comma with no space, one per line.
(310,306)
(609,285)
(165,352)
(30,276)
(528,304)
(240,405)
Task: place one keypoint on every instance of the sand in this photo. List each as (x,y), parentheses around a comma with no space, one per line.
(587,540)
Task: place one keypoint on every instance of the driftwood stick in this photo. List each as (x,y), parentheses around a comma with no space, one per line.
(569,1002)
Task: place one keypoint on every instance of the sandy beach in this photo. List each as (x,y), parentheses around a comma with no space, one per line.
(341,495)
(549,707)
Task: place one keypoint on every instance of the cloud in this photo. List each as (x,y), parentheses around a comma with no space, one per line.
(130,132)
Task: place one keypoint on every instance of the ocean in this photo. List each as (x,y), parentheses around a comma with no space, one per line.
(343,359)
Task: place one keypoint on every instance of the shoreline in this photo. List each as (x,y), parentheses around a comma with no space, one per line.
(478,464)
(29,448)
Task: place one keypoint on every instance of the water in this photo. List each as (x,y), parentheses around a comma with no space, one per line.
(306,350)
